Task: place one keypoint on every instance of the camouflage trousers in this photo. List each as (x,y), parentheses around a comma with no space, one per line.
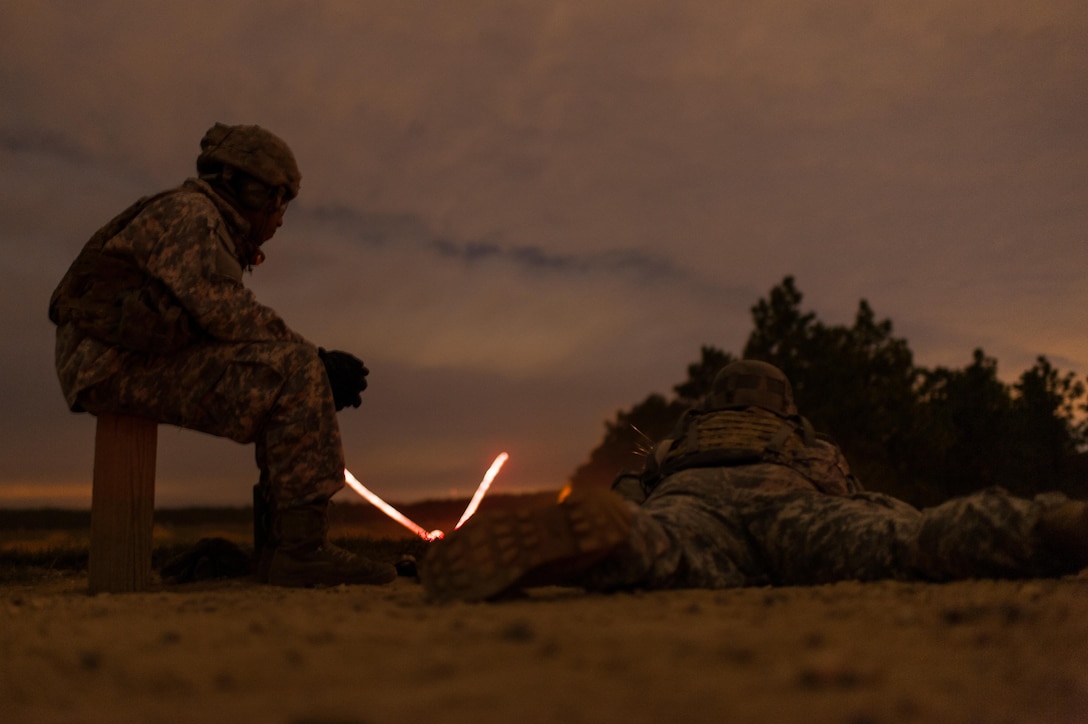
(275,395)
(764,524)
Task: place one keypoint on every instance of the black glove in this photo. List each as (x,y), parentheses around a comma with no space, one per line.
(347,376)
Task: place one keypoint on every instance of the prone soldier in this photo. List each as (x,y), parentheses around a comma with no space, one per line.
(744,493)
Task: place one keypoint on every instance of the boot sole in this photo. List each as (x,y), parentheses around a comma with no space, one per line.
(503,551)
(1065,531)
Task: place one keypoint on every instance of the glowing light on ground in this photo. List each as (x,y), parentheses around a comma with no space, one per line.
(473,504)
(481,489)
(388,509)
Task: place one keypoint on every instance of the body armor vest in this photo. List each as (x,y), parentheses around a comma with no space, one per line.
(727,437)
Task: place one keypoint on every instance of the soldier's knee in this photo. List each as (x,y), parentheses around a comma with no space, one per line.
(292,359)
(297,366)
(303,368)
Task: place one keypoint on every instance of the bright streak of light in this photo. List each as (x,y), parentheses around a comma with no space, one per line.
(481,489)
(377,502)
(389,509)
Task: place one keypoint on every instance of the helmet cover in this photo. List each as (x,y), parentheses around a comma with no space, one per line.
(253,150)
(752,383)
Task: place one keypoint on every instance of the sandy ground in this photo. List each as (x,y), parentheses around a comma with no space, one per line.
(234,651)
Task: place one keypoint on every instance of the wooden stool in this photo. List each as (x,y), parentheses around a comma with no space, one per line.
(122,503)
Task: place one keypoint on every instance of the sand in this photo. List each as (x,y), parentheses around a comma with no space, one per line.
(235,651)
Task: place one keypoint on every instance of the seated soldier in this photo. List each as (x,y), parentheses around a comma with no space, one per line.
(745,494)
(153,320)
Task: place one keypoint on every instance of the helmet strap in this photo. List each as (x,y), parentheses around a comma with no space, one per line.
(249,250)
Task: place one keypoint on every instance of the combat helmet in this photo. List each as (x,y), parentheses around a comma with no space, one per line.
(252,150)
(752,383)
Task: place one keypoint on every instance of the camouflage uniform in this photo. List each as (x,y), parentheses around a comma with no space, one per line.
(245,376)
(744,493)
(153,320)
(768,523)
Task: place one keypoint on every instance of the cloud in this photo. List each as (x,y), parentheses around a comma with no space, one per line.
(403,231)
(561,201)
(483,305)
(536,259)
(27,141)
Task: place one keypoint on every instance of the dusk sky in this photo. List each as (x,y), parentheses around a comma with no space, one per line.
(527,215)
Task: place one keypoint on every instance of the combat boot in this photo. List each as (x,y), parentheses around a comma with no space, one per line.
(1064,531)
(500,552)
(303,555)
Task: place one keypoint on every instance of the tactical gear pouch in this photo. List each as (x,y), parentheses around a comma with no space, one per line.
(151,321)
(112,301)
(109,298)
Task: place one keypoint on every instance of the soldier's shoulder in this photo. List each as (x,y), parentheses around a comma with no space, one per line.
(178,211)
(182,200)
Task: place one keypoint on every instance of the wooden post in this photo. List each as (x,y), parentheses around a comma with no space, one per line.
(122,503)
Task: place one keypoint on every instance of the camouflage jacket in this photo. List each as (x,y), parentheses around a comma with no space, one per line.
(185,240)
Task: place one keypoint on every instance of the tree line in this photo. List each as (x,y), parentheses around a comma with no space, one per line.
(921,434)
